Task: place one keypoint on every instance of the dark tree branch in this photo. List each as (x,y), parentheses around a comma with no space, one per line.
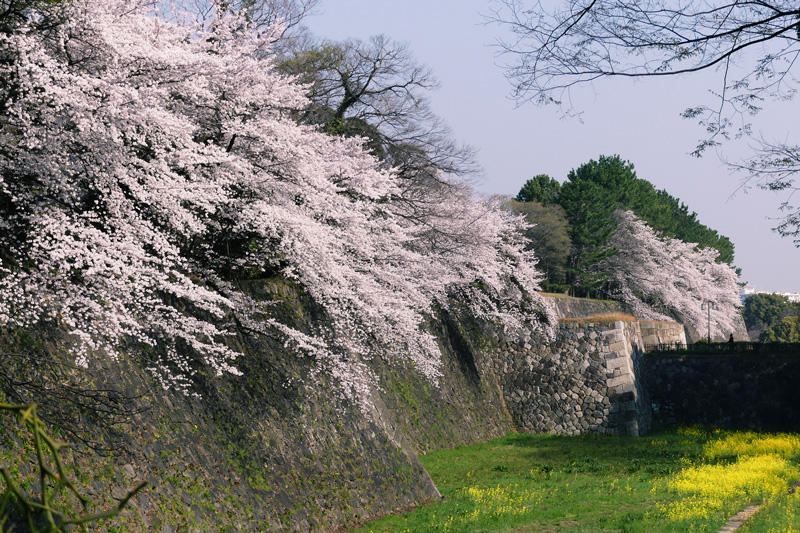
(754,45)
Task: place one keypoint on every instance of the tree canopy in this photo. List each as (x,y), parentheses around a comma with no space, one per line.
(376,89)
(664,278)
(787,330)
(589,197)
(613,180)
(591,226)
(540,188)
(549,238)
(763,310)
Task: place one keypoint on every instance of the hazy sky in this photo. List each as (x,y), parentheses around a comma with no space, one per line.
(637,119)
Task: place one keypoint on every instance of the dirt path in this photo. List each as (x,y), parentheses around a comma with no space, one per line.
(736,521)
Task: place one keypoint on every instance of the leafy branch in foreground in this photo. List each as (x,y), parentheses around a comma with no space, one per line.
(52,481)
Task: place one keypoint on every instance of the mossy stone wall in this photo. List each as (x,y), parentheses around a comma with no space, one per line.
(270,450)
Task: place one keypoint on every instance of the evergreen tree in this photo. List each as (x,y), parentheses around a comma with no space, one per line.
(591,194)
(540,188)
(590,213)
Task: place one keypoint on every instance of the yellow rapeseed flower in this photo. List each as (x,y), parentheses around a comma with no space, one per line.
(748,443)
(754,476)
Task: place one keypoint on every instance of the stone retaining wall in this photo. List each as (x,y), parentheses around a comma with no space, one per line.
(269,452)
(569,307)
(736,391)
(586,382)
(266,451)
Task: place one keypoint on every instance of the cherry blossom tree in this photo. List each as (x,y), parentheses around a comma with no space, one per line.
(665,279)
(149,160)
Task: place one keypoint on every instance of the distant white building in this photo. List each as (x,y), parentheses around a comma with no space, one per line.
(744,294)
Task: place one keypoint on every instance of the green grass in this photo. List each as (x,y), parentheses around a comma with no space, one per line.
(690,480)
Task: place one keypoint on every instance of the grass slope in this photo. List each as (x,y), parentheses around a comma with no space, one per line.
(689,480)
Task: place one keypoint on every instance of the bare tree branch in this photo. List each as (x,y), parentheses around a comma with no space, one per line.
(775,167)
(590,39)
(754,45)
(377,90)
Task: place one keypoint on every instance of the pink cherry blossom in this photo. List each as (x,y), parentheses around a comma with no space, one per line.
(668,279)
(137,144)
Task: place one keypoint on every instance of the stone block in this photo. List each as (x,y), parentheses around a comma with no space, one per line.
(619,347)
(624,388)
(619,380)
(617,362)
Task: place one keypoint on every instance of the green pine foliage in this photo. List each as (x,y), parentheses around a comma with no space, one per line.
(589,197)
(663,212)
(590,214)
(540,188)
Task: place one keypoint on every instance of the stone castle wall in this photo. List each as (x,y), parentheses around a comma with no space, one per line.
(586,382)
(267,451)
(736,391)
(283,456)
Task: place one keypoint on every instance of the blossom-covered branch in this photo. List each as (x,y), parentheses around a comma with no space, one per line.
(149,160)
(669,279)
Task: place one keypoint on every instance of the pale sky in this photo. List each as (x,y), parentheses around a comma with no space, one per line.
(637,119)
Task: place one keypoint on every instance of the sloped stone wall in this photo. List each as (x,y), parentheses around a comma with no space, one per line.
(270,450)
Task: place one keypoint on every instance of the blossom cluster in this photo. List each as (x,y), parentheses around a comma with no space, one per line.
(148,161)
(662,278)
